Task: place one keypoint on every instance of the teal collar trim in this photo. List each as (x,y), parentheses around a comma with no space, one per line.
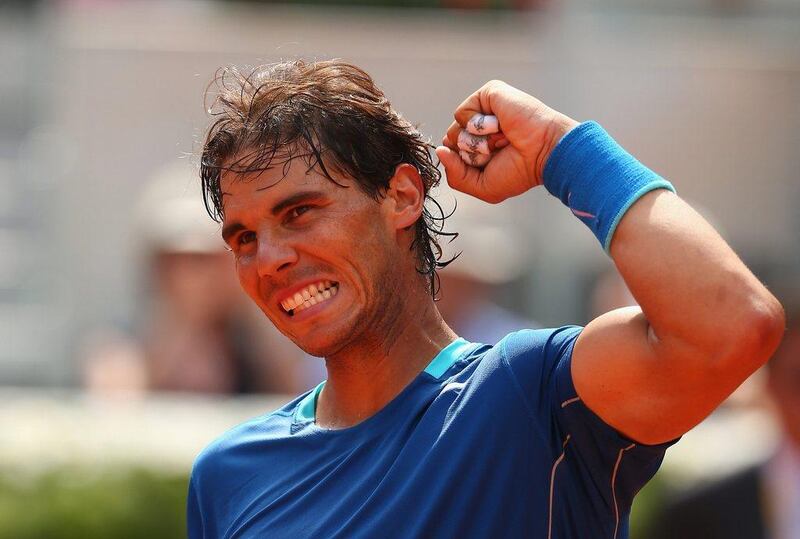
(447,356)
(307,409)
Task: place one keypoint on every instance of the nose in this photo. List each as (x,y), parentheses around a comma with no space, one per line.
(274,255)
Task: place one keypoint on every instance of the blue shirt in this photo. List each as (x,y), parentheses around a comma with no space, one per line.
(487,441)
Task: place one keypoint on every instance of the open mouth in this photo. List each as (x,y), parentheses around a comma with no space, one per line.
(310,296)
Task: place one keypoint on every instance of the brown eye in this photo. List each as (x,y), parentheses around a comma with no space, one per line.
(246,237)
(294,213)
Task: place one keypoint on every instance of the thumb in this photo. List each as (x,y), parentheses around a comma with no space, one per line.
(455,169)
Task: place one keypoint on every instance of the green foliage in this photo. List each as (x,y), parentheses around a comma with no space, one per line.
(75,503)
(646,506)
(84,504)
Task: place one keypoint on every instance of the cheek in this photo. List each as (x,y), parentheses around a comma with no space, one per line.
(248,277)
(379,267)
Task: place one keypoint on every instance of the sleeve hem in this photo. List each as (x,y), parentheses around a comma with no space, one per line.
(569,398)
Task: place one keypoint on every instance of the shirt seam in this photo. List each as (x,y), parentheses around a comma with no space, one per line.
(553,471)
(614,488)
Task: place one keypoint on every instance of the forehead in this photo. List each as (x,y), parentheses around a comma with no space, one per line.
(241,191)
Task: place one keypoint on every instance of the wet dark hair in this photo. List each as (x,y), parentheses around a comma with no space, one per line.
(331,115)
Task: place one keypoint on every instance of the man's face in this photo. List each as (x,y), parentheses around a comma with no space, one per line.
(317,258)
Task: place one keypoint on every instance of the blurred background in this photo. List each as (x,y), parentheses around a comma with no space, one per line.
(126,343)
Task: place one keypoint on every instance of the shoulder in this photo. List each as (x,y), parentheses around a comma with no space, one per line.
(210,460)
(530,346)
(534,354)
(539,341)
(530,360)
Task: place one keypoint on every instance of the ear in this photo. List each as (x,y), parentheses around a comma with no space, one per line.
(405,196)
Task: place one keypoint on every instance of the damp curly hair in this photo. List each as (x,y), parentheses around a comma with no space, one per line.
(331,115)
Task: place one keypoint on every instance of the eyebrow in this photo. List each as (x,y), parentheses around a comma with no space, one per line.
(294,199)
(230,230)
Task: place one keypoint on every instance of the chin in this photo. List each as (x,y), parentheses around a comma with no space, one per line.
(319,348)
(314,350)
(321,336)
(324,341)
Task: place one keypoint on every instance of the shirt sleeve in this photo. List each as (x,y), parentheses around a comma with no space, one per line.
(606,462)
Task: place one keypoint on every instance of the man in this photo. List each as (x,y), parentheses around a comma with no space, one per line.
(762,501)
(321,189)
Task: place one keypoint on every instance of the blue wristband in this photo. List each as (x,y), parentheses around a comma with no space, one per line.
(597,179)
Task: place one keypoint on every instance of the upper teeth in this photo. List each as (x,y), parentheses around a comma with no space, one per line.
(310,295)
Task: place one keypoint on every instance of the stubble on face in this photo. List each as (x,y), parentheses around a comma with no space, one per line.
(346,240)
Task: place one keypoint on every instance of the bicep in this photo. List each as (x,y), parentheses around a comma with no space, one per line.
(649,390)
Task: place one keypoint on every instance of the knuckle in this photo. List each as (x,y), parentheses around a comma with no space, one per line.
(493,198)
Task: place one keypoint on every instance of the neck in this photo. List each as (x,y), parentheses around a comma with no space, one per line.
(365,377)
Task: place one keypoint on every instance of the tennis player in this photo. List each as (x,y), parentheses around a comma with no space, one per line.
(321,188)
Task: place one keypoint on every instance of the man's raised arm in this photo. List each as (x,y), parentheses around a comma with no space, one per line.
(705,323)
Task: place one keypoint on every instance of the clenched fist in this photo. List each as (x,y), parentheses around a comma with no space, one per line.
(512,159)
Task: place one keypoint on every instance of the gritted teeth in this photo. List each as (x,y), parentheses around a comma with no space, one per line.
(310,295)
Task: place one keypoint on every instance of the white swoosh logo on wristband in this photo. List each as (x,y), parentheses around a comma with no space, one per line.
(579,213)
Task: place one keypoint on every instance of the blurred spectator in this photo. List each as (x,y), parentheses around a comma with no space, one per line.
(763,501)
(197,333)
(493,255)
(609,292)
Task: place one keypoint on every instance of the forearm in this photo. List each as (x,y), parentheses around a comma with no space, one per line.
(693,289)
(706,323)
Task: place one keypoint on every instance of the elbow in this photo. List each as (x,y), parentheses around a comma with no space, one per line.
(759,333)
(773,327)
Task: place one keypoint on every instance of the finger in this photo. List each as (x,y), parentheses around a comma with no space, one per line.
(460,176)
(483,124)
(470,107)
(454,167)
(473,143)
(478,160)
(452,136)
(497,141)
